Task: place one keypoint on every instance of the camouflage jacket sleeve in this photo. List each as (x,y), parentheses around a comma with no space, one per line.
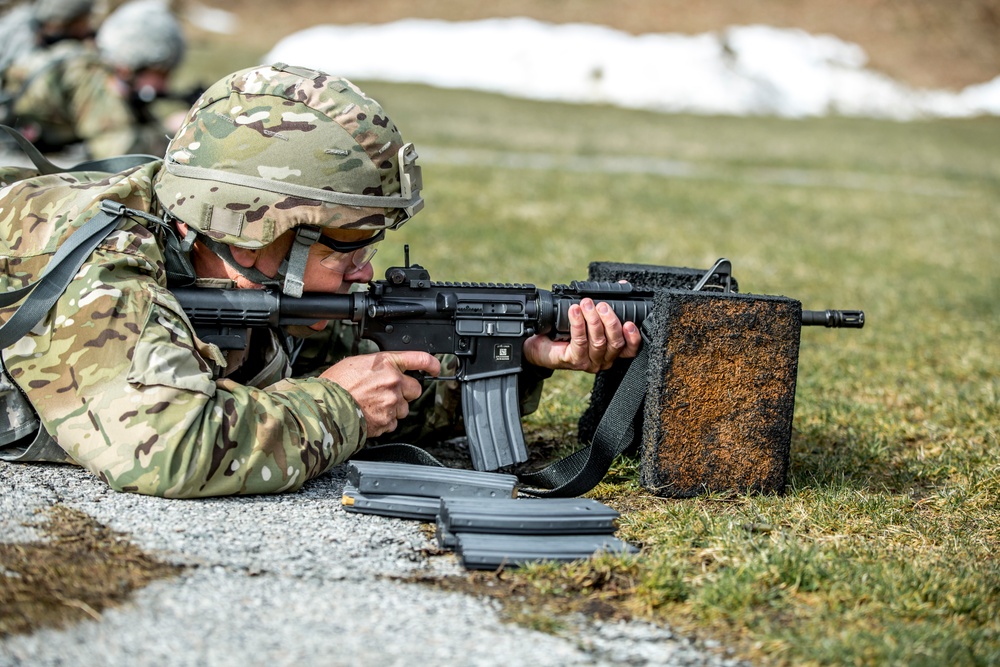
(127,391)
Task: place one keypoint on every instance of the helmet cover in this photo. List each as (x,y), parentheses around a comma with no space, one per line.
(268,149)
(141,34)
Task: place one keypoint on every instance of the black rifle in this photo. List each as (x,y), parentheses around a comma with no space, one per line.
(483,324)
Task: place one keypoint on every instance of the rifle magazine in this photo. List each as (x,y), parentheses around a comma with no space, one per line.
(490,407)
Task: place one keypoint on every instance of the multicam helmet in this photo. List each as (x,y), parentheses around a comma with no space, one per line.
(141,34)
(269,149)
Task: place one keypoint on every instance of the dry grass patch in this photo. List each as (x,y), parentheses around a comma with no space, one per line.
(82,570)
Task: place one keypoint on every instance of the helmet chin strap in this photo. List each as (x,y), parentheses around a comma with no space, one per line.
(225,252)
(294,267)
(291,273)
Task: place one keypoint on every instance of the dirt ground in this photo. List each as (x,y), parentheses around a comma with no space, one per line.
(83,569)
(927,43)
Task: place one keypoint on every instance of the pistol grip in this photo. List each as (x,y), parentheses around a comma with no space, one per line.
(491,409)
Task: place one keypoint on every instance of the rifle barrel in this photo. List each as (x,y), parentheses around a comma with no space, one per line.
(834,319)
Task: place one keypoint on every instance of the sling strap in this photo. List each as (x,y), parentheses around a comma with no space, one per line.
(398,452)
(584,469)
(111,165)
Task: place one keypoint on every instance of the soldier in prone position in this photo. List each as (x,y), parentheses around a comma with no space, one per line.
(280,177)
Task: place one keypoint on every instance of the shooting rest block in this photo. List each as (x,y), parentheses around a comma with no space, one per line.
(720,386)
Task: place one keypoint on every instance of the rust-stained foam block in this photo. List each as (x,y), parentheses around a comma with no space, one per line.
(721,393)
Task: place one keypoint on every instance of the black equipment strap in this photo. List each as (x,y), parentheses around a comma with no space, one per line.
(584,469)
(110,165)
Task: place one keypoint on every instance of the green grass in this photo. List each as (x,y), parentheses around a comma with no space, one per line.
(884,548)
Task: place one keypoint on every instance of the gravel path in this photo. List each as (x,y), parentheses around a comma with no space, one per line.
(291,580)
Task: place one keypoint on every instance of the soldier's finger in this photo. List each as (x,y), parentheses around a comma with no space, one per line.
(578,348)
(596,336)
(410,388)
(615,339)
(633,339)
(413,360)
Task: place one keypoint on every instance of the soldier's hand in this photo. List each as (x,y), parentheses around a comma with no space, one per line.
(379,384)
(597,338)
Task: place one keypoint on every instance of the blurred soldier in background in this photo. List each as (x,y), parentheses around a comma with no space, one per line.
(57,20)
(73,92)
(41,24)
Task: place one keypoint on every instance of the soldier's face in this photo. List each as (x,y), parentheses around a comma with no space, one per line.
(268,260)
(320,275)
(151,78)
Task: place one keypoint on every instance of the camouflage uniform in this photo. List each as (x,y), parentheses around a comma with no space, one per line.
(69,96)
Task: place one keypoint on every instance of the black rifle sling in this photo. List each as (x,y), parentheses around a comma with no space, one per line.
(584,469)
(397,452)
(39,160)
(111,165)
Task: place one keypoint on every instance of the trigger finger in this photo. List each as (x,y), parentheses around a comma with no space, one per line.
(411,388)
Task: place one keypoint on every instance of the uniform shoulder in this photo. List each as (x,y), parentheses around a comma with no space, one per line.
(10,175)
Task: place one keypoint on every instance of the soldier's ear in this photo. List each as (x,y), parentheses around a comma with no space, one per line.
(245,257)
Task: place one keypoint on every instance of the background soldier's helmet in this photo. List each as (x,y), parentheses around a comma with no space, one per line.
(269,149)
(61,11)
(141,34)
